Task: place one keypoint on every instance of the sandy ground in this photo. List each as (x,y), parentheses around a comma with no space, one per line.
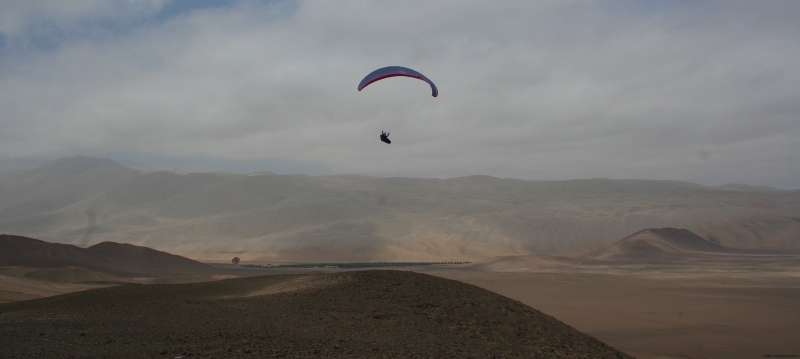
(709,310)
(14,288)
(23,283)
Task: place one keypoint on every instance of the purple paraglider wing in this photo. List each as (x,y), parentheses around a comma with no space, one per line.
(393,71)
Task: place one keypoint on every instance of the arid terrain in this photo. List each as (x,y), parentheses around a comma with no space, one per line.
(659,293)
(656,269)
(737,309)
(264,216)
(368,314)
(31,268)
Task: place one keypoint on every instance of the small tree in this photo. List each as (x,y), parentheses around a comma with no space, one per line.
(235,260)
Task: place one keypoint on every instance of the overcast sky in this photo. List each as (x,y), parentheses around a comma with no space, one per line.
(707,92)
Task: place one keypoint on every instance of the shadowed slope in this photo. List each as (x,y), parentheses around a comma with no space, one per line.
(368,314)
(107,257)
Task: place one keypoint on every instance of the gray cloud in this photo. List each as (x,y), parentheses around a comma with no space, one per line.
(551,90)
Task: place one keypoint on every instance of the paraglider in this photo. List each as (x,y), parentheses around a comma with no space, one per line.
(392,71)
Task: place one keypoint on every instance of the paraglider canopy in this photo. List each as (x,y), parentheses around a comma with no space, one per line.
(393,71)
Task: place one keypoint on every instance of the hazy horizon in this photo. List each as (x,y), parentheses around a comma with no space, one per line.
(188,166)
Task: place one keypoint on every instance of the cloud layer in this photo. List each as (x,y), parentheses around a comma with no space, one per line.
(553,90)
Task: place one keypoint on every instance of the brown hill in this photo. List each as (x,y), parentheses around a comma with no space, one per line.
(370,314)
(659,244)
(107,257)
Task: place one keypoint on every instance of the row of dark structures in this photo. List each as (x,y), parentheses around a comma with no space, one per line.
(351,265)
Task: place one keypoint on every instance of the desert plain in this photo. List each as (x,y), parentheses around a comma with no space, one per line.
(693,310)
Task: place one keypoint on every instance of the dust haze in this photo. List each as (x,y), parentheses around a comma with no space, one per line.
(268,217)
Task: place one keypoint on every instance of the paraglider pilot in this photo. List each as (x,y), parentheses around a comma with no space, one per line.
(385,137)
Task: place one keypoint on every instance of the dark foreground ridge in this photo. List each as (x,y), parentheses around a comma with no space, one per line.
(367,314)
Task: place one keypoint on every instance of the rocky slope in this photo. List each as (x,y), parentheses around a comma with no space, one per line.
(371,314)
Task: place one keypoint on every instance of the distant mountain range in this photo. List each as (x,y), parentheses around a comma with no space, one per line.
(84,200)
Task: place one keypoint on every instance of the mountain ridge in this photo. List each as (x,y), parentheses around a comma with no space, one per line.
(272,217)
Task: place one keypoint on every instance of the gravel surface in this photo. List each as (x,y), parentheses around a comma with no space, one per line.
(367,314)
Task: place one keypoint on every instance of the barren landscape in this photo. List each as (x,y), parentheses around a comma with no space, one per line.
(659,293)
(399,179)
(369,314)
(590,253)
(727,309)
(269,217)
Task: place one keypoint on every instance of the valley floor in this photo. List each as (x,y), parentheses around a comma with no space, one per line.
(724,309)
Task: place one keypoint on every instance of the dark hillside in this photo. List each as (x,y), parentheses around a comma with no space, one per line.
(108,257)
